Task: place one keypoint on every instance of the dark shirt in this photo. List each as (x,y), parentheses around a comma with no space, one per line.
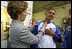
(67,40)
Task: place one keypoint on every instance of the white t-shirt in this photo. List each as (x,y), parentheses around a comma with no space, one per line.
(47,41)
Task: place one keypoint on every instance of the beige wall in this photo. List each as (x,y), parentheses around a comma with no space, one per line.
(39,15)
(61,12)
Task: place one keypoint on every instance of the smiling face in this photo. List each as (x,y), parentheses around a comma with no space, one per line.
(50,14)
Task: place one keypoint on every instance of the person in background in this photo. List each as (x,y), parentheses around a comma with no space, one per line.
(67,36)
(66,27)
(20,35)
(69,23)
(51,33)
(66,32)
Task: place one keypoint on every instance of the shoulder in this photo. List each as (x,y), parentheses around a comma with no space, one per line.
(54,24)
(57,28)
(39,22)
(19,26)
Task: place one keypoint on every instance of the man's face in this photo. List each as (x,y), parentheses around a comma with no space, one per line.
(50,14)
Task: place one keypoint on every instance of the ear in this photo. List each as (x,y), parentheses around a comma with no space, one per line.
(18,15)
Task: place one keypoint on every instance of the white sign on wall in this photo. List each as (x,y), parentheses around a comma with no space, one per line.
(29,13)
(4,3)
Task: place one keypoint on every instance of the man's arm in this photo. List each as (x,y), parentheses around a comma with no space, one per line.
(58,37)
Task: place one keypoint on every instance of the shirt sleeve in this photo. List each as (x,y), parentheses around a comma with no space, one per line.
(58,35)
(35,31)
(27,37)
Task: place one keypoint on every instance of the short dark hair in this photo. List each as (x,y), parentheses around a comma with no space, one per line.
(49,9)
(69,18)
(15,8)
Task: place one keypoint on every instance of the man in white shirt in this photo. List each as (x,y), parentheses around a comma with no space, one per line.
(51,32)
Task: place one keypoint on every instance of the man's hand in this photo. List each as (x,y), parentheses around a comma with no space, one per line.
(50,32)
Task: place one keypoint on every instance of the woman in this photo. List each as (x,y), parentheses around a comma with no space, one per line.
(20,35)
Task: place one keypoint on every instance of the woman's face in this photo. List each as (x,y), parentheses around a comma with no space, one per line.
(23,15)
